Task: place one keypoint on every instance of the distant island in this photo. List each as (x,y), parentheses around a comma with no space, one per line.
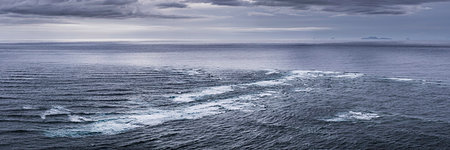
(376,38)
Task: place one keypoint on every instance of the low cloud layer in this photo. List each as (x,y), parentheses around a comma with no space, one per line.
(79,8)
(84,8)
(144,8)
(365,7)
(171,5)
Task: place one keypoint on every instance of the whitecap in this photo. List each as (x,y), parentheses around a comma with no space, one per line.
(351,115)
(349,75)
(28,107)
(135,119)
(400,79)
(193,72)
(267,93)
(293,75)
(56,110)
(267,83)
(188,97)
(76,118)
(304,90)
(271,71)
(308,74)
(314,74)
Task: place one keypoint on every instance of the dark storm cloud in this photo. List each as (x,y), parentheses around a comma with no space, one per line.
(367,7)
(171,5)
(79,8)
(143,8)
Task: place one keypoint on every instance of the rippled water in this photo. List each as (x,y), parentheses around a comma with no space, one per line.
(210,96)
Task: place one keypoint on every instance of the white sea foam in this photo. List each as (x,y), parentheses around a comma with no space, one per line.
(308,74)
(400,79)
(293,75)
(193,72)
(28,107)
(55,110)
(194,112)
(76,118)
(109,126)
(118,124)
(271,71)
(349,75)
(267,93)
(188,97)
(351,115)
(304,90)
(267,83)
(314,74)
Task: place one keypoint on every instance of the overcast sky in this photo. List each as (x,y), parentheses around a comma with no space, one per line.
(225,20)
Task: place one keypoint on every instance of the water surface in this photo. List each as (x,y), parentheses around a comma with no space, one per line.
(221,96)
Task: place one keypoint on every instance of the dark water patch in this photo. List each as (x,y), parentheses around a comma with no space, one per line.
(70,99)
(108,90)
(8,98)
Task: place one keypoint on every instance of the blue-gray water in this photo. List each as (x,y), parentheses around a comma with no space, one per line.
(222,96)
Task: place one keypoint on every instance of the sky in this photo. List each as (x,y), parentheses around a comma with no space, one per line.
(225,20)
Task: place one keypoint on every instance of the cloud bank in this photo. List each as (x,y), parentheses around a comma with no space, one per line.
(84,8)
(146,8)
(351,7)
(366,7)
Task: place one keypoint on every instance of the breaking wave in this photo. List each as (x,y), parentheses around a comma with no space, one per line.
(400,79)
(55,110)
(188,108)
(188,97)
(352,115)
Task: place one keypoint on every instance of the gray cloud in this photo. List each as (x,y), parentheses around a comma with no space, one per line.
(143,8)
(366,7)
(171,5)
(222,2)
(80,8)
(20,20)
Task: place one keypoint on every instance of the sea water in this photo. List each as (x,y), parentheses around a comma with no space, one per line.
(223,96)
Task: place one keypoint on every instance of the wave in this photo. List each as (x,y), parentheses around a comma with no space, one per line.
(29,107)
(350,75)
(193,72)
(304,90)
(400,79)
(314,74)
(267,83)
(76,118)
(118,123)
(151,117)
(188,97)
(56,110)
(352,115)
(271,71)
(267,93)
(60,110)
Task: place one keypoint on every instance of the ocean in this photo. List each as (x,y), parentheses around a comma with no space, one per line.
(118,95)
